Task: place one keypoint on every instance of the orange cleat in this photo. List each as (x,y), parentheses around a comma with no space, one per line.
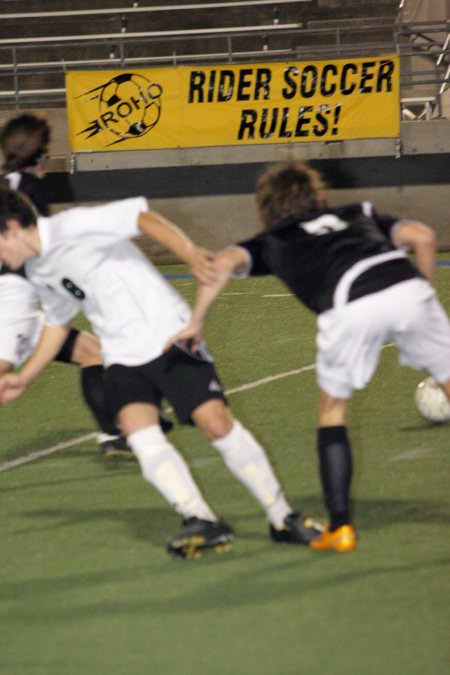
(342,540)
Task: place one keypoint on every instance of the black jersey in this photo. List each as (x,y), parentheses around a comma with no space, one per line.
(4,269)
(32,186)
(311,254)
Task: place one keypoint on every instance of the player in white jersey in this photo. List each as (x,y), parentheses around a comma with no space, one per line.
(24,141)
(82,260)
(21,323)
(349,266)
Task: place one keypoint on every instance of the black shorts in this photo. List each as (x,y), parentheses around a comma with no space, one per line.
(186,381)
(65,354)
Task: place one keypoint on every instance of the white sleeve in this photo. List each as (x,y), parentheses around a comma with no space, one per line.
(244,270)
(398,224)
(118,219)
(58,311)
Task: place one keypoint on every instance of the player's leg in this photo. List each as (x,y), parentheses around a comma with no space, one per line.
(83,350)
(161,464)
(248,462)
(191,384)
(349,341)
(137,402)
(423,338)
(335,468)
(446,387)
(5,367)
(164,467)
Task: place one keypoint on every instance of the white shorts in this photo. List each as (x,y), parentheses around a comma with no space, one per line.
(350,336)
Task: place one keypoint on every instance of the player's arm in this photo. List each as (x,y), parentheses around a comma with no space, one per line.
(421,241)
(200,260)
(52,339)
(230,261)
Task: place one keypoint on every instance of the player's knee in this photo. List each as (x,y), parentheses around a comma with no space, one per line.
(134,417)
(86,351)
(213,419)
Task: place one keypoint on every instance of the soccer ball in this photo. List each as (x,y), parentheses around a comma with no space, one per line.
(431,401)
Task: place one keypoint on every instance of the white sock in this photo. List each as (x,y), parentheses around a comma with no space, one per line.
(247,460)
(163,467)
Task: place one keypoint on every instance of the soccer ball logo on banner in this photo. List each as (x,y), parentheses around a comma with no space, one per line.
(129,106)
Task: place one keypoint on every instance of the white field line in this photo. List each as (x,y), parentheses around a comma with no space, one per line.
(25,459)
(47,451)
(12,464)
(270,378)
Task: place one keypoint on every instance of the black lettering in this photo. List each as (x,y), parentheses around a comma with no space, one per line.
(154,91)
(108,117)
(124,109)
(336,115)
(346,87)
(328,89)
(321,128)
(263,77)
(284,133)
(385,76)
(308,83)
(263,131)
(212,82)
(366,76)
(302,120)
(248,121)
(289,92)
(243,84)
(226,85)
(196,83)
(137,102)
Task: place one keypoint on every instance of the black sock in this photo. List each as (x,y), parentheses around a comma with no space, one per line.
(95,396)
(335,461)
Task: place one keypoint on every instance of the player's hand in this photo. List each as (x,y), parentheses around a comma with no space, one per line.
(188,339)
(202,265)
(11,387)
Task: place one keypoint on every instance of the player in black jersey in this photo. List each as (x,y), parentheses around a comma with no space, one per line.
(349,266)
(24,141)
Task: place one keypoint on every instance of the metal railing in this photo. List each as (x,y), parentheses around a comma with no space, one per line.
(125,11)
(32,71)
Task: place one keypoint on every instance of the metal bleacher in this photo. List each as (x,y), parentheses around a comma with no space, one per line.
(38,45)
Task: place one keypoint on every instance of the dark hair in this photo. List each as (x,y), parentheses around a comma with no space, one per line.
(24,140)
(14,204)
(289,189)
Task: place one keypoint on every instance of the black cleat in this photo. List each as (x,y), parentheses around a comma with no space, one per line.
(116,447)
(297,529)
(200,536)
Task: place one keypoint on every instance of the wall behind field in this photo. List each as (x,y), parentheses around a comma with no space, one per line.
(209,191)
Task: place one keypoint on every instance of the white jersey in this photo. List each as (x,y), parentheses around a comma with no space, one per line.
(88,265)
(18,299)
(20,318)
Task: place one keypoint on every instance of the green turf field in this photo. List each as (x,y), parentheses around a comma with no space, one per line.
(86,587)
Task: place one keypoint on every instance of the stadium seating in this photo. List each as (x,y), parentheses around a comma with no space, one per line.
(37,45)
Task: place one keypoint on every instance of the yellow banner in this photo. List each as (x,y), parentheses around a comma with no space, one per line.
(262,103)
